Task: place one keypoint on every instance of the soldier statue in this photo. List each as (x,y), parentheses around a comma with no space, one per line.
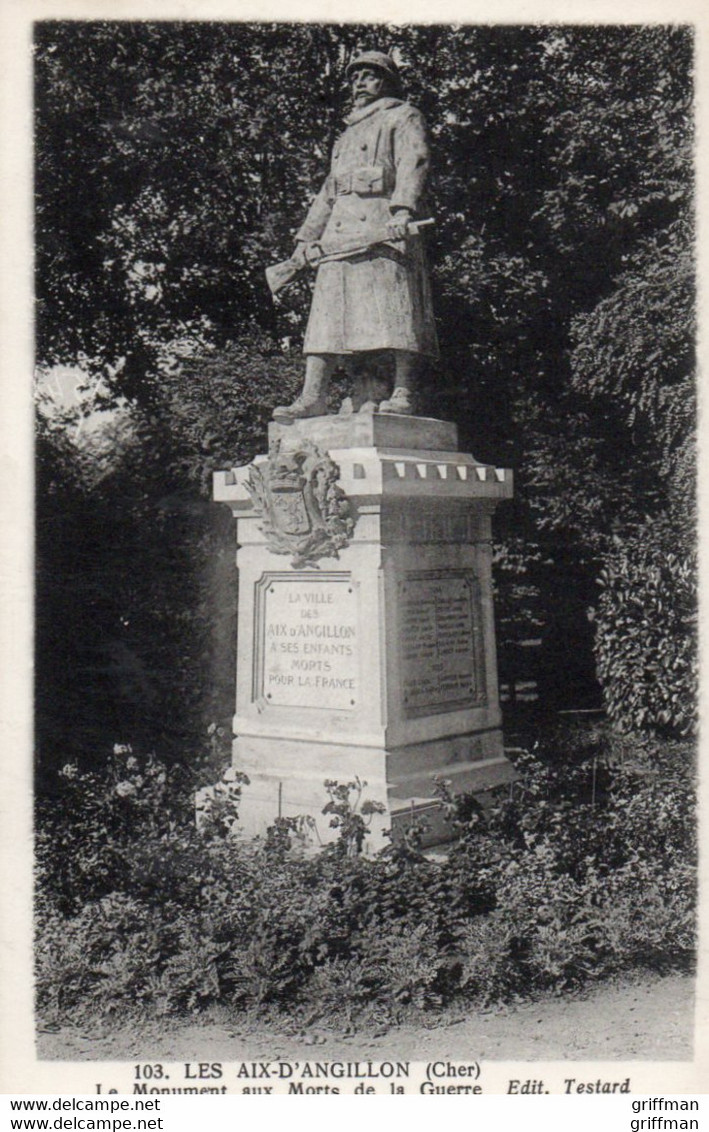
(372,291)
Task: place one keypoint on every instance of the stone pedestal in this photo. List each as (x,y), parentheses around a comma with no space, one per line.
(375,659)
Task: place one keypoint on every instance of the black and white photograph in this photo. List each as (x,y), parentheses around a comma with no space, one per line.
(364,556)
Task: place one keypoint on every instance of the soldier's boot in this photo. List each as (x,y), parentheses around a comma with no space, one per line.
(402,400)
(312,402)
(299,410)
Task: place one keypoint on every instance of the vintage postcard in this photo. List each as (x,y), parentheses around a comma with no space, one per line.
(351,625)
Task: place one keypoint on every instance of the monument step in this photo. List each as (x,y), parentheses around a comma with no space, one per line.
(467,778)
(369,430)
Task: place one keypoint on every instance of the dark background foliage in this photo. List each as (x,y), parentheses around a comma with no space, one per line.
(174,160)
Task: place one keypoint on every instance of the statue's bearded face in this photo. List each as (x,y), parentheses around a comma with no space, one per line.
(367,85)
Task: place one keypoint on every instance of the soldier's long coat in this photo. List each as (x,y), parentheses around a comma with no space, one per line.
(379,299)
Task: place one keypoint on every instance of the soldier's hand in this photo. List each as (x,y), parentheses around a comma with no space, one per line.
(398,224)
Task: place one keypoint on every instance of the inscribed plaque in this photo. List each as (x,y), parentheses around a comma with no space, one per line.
(440,642)
(308,641)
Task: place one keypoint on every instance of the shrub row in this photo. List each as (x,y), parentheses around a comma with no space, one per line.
(577,871)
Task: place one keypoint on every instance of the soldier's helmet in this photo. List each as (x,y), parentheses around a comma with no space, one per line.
(379,62)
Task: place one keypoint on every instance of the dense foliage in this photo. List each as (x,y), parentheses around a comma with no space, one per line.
(646,634)
(586,867)
(174,160)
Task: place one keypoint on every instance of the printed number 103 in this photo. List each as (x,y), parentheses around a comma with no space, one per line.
(148,1072)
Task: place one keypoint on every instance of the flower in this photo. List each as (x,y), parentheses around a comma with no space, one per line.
(125,789)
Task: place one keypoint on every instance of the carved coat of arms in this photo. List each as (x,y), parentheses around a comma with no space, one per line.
(304,512)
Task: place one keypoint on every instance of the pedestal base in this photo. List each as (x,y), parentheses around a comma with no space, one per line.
(287,779)
(370,655)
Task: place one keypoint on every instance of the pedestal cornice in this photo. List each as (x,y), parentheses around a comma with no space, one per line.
(381,455)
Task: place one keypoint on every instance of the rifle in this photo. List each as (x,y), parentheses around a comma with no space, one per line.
(278,275)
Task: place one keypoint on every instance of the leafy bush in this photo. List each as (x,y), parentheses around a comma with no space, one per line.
(126,831)
(584,867)
(646,644)
(591,862)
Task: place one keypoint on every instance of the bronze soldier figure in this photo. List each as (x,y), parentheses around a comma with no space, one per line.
(376,297)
